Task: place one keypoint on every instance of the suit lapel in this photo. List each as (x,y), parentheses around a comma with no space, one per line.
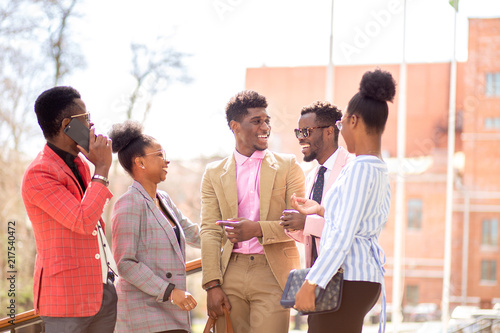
(340,162)
(268,171)
(160,219)
(82,167)
(169,230)
(65,168)
(228,181)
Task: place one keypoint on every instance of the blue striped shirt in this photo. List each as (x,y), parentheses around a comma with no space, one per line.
(356,209)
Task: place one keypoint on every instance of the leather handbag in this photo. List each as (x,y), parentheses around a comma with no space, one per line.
(327,300)
(210,326)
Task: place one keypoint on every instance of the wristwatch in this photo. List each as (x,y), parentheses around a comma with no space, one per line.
(104,179)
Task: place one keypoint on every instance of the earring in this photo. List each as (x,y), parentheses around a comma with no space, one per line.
(143,167)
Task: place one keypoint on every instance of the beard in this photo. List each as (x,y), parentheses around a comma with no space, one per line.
(311,157)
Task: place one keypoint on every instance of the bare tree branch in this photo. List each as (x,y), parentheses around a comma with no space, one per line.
(64,52)
(154,69)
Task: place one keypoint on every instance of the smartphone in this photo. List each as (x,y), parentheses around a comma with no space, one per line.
(78,132)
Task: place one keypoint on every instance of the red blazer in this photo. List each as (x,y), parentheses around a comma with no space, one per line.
(68,278)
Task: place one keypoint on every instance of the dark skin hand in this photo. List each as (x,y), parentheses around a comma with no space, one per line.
(216,300)
(305,298)
(292,220)
(99,153)
(237,230)
(240,229)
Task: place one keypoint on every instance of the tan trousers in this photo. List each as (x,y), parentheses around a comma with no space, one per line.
(254,295)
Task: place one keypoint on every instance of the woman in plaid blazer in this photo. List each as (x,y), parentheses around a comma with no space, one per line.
(149,235)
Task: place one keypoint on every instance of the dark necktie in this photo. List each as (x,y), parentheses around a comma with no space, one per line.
(317,193)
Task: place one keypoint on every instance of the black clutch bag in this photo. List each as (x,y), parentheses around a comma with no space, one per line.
(327,300)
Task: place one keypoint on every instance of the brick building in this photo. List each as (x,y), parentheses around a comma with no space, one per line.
(476,210)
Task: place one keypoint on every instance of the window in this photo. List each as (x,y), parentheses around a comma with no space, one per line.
(492,123)
(489,232)
(488,271)
(411,295)
(492,84)
(414,212)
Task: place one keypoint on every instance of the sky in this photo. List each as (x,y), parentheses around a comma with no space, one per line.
(225,37)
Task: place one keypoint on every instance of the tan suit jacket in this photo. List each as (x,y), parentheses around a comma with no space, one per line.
(280,177)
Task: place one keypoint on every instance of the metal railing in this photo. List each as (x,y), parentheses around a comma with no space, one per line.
(483,324)
(26,320)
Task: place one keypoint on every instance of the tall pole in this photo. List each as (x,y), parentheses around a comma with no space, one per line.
(400,191)
(465,246)
(329,70)
(445,305)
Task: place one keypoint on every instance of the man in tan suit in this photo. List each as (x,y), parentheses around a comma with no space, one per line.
(246,255)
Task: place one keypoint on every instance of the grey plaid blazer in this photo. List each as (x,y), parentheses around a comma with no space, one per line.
(149,258)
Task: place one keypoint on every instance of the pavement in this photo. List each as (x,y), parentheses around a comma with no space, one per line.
(403,328)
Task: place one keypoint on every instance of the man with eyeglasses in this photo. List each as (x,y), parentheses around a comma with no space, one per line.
(318,136)
(74,270)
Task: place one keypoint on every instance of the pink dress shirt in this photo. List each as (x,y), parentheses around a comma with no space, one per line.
(248,184)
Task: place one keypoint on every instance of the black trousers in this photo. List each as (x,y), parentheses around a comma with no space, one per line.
(102,322)
(358,297)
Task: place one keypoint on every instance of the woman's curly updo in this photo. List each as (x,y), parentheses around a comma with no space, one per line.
(129,142)
(370,103)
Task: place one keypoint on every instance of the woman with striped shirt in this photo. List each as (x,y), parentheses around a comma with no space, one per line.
(355,210)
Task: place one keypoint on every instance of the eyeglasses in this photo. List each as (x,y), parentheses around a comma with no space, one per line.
(86,115)
(158,152)
(338,123)
(306,131)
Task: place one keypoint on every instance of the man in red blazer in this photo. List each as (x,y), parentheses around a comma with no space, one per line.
(318,136)
(72,288)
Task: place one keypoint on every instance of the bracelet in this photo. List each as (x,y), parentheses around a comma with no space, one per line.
(311,283)
(212,287)
(168,293)
(104,179)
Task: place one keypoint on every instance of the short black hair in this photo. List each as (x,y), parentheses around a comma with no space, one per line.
(370,103)
(326,113)
(238,105)
(129,142)
(52,106)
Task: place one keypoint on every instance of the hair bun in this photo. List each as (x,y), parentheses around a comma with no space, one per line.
(378,85)
(123,134)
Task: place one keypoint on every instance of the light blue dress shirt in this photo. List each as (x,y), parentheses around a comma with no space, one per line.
(356,209)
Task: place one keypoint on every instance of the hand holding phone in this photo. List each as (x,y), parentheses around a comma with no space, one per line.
(79,133)
(100,154)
